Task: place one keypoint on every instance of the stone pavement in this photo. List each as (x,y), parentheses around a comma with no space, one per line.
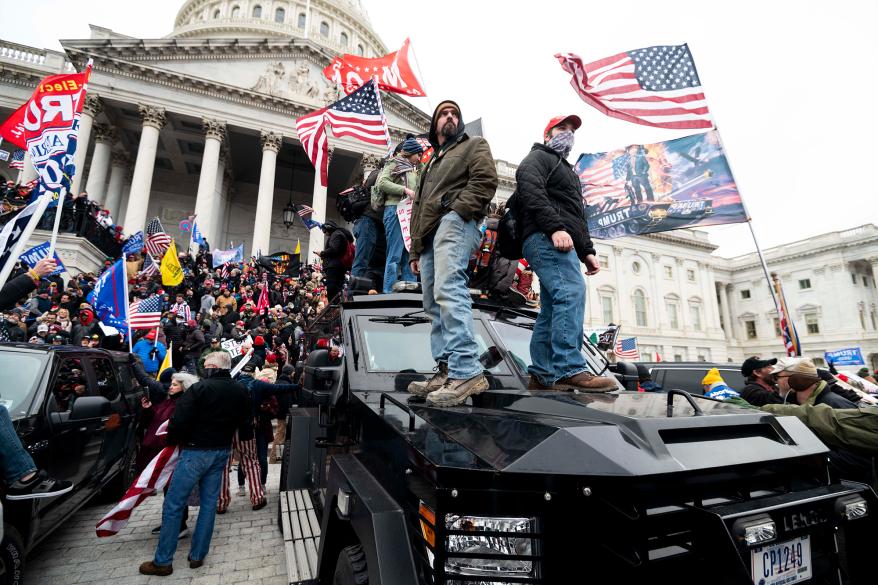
(247,547)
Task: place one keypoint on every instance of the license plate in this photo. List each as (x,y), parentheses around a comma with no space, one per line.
(784,562)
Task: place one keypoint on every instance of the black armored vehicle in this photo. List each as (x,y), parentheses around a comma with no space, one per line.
(545,487)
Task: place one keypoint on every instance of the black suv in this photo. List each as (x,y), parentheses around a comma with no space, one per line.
(688,375)
(546,487)
(76,411)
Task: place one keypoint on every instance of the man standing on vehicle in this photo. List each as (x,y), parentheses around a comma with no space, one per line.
(554,231)
(760,389)
(453,196)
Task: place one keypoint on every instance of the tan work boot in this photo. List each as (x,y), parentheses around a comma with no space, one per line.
(587,381)
(423,388)
(454,392)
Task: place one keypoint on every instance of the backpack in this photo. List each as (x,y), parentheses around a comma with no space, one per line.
(352,202)
(270,406)
(347,260)
(509,230)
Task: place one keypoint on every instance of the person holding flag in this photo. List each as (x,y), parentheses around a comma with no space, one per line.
(151,352)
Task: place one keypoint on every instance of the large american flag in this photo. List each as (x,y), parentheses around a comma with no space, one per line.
(145,314)
(157,241)
(150,267)
(787,328)
(17,161)
(358,115)
(304,210)
(627,348)
(655,86)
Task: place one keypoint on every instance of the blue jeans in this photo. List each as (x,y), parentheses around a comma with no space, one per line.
(444,262)
(397,255)
(196,467)
(365,237)
(15,461)
(556,343)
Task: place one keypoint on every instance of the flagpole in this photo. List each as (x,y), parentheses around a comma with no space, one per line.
(22,241)
(126,303)
(421,76)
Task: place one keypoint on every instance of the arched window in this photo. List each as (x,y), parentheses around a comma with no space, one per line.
(216,13)
(640,317)
(324,29)
(360,50)
(257,11)
(236,11)
(302,20)
(279,15)
(344,39)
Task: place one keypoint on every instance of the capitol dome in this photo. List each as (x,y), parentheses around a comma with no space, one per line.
(342,26)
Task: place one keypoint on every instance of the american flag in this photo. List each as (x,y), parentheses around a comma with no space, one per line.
(17,161)
(150,267)
(145,314)
(627,348)
(157,241)
(787,328)
(605,179)
(358,115)
(304,210)
(655,86)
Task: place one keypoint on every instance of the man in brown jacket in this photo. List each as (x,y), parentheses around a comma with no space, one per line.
(453,195)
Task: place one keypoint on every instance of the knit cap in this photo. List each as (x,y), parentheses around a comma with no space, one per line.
(712,377)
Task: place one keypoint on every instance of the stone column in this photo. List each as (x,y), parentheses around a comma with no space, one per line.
(727,312)
(216,223)
(206,200)
(29,172)
(271,144)
(90,110)
(100,163)
(370,163)
(118,171)
(318,204)
(138,200)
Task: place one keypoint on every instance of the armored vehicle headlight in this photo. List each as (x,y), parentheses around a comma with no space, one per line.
(755,530)
(851,507)
(490,547)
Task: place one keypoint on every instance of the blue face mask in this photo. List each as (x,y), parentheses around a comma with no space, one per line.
(562,143)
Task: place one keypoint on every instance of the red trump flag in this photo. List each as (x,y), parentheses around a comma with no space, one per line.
(392,72)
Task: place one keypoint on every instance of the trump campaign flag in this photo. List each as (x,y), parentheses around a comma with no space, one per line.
(133,245)
(234,255)
(392,72)
(109,297)
(15,233)
(37,253)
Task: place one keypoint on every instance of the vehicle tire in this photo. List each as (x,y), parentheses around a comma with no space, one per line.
(11,557)
(350,569)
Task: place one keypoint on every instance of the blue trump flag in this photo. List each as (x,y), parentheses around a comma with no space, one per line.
(108,297)
(37,253)
(234,255)
(133,245)
(197,236)
(850,356)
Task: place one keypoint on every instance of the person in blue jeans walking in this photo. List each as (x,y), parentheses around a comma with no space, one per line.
(206,418)
(549,208)
(453,195)
(395,185)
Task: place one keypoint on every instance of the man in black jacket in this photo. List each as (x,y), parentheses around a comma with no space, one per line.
(761,388)
(337,239)
(549,208)
(203,424)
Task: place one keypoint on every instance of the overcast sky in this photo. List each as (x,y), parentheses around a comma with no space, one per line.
(791,84)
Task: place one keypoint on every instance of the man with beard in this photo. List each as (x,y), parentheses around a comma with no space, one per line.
(453,195)
(761,388)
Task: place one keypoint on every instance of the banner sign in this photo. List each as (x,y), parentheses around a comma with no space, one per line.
(234,346)
(392,72)
(602,337)
(282,262)
(648,188)
(134,244)
(37,253)
(404,214)
(850,356)
(235,255)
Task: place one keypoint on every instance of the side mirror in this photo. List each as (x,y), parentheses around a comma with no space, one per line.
(86,407)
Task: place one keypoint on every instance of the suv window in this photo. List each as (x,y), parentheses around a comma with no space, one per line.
(70,382)
(21,372)
(105,377)
(689,379)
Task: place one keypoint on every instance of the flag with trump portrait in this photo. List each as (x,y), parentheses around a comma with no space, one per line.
(648,188)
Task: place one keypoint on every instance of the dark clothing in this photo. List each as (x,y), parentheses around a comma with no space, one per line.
(153,418)
(194,343)
(210,412)
(157,391)
(15,289)
(549,199)
(824,395)
(336,246)
(758,395)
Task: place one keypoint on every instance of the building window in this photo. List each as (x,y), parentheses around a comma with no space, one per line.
(669,272)
(812,324)
(280,15)
(777,331)
(603,260)
(303,20)
(854,279)
(640,308)
(695,314)
(324,29)
(703,354)
(607,309)
(690,275)
(236,11)
(635,267)
(680,354)
(344,39)
(216,13)
(874,318)
(672,314)
(750,327)
(257,11)
(360,50)
(805,284)
(865,281)
(745,294)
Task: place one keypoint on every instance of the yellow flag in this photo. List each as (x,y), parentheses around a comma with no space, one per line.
(172,273)
(166,363)
(298,247)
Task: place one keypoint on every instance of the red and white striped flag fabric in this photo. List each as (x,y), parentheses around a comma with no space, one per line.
(627,348)
(262,302)
(655,86)
(145,314)
(154,477)
(358,115)
(157,241)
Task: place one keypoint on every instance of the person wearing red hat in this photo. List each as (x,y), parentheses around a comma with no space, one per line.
(151,353)
(554,231)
